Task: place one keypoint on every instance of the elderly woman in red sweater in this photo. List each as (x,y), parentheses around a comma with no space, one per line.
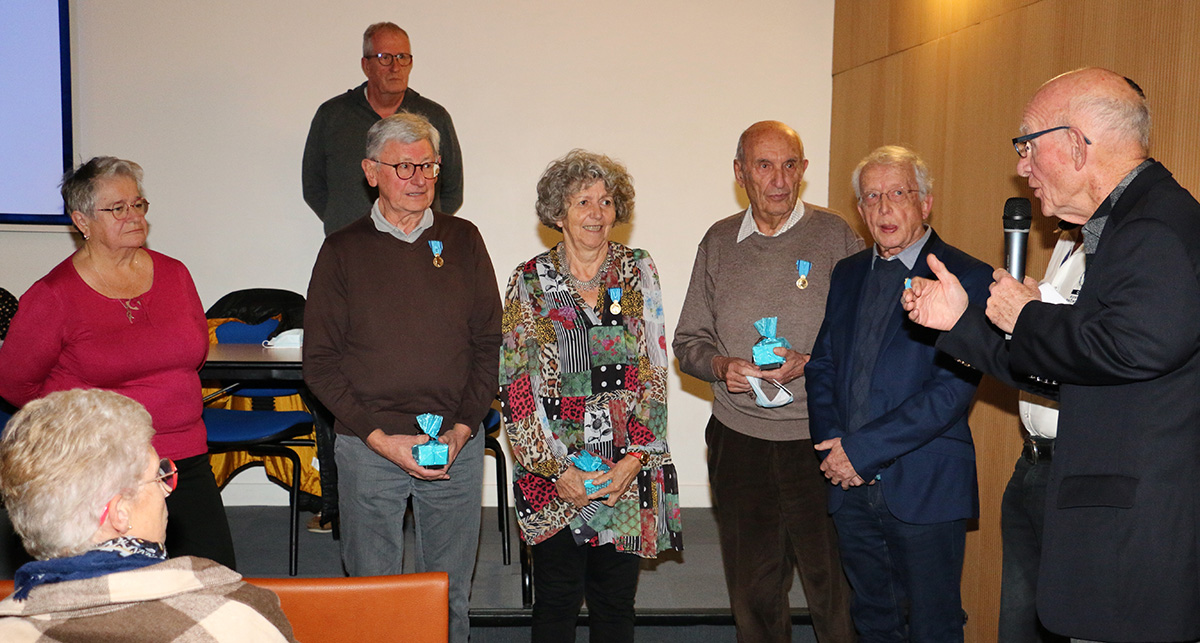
(117,316)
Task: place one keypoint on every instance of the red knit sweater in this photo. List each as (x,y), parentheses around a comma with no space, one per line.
(66,335)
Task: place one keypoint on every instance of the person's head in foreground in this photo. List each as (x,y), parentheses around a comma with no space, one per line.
(77,470)
(87,493)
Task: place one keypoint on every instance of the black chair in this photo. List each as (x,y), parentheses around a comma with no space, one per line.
(8,309)
(261,431)
(491,442)
(254,306)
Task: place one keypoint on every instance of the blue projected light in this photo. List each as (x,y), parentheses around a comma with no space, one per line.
(35,110)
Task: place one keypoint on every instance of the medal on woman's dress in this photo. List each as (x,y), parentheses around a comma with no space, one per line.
(436,247)
(614,295)
(802,267)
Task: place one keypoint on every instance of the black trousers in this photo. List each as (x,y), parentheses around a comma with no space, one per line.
(1022,518)
(565,573)
(196,521)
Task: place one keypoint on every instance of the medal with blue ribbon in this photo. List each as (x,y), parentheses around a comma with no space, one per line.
(614,295)
(436,247)
(802,267)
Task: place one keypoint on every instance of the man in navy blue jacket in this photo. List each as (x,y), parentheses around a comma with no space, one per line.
(889,414)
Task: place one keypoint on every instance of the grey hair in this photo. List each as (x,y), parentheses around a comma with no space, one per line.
(403,127)
(896,156)
(78,186)
(62,458)
(577,170)
(369,34)
(1127,116)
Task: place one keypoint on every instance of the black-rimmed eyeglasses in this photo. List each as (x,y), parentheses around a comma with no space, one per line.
(405,171)
(122,211)
(1022,143)
(386,60)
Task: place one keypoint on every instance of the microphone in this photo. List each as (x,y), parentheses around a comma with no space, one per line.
(1016,235)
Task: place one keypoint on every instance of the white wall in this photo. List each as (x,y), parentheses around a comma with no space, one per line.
(214,100)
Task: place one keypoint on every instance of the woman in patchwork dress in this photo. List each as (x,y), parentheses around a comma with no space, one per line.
(583,371)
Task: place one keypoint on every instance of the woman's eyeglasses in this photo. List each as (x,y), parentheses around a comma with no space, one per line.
(122,211)
(168,475)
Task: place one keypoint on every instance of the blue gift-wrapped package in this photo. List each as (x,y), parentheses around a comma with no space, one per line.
(432,454)
(764,351)
(588,461)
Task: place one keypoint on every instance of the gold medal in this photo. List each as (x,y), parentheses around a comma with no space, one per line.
(802,268)
(614,295)
(436,247)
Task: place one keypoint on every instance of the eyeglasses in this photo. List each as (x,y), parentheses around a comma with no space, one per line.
(405,171)
(1023,143)
(898,195)
(122,211)
(385,60)
(168,475)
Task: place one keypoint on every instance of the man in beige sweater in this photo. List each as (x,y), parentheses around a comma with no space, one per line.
(771,260)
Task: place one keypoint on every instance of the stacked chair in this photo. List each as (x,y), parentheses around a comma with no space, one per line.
(252,427)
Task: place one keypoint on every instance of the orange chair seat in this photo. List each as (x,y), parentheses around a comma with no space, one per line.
(413,608)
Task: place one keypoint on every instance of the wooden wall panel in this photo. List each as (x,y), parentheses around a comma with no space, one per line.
(950,79)
(866,30)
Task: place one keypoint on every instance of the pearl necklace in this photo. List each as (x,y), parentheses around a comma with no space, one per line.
(579,284)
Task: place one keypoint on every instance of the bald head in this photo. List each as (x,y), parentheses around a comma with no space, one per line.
(770,166)
(766,128)
(1107,106)
(1090,128)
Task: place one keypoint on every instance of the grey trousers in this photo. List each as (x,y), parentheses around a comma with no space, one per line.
(373,493)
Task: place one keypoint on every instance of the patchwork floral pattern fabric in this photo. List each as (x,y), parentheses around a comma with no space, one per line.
(574,377)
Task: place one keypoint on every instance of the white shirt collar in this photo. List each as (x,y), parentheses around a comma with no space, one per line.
(749,227)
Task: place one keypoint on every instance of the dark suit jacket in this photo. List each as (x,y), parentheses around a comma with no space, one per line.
(918,442)
(1121,550)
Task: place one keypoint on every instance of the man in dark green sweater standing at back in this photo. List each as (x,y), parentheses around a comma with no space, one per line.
(333,181)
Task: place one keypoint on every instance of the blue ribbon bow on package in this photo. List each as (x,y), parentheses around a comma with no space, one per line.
(588,461)
(432,454)
(764,351)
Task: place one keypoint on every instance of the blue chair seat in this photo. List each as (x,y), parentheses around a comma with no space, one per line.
(254,427)
(264,392)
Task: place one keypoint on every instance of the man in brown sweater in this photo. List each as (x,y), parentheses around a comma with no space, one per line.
(772,260)
(403,318)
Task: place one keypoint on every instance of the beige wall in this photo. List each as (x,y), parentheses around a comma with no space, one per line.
(950,79)
(214,99)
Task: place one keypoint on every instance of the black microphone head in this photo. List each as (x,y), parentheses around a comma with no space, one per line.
(1017,213)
